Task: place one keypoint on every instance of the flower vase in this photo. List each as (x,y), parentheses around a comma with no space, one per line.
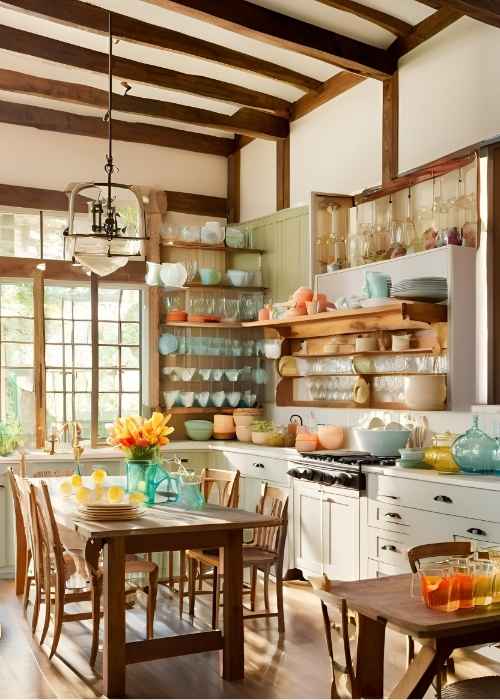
(136,470)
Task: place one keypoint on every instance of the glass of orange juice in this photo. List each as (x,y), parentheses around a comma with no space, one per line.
(463,574)
(483,574)
(438,587)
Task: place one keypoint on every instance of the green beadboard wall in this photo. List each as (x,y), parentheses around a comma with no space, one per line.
(285,238)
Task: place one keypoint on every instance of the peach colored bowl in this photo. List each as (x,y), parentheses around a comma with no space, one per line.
(302,294)
(331,437)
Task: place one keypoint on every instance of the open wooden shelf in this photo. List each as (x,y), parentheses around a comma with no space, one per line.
(211,325)
(403,373)
(410,351)
(183,410)
(404,315)
(217,248)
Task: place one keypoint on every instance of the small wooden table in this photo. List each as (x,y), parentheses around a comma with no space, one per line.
(164,529)
(387,601)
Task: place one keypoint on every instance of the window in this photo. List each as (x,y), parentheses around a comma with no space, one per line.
(119,354)
(34,234)
(17,399)
(68,355)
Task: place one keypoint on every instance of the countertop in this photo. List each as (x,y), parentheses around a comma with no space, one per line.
(110,453)
(490,482)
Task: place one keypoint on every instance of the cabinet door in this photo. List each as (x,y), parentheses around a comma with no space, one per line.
(340,537)
(5,525)
(307,528)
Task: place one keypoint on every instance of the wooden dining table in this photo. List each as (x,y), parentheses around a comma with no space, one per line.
(161,529)
(387,602)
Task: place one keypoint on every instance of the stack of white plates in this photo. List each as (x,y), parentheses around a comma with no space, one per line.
(431,289)
(109,511)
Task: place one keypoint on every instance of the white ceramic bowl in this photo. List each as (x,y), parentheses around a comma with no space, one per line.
(272,348)
(240,278)
(381,443)
(170,397)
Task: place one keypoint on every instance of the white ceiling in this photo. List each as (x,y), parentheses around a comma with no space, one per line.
(308,10)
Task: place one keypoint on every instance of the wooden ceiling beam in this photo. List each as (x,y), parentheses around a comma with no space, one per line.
(94,18)
(331,88)
(70,55)
(284,31)
(77,124)
(487,11)
(381,19)
(37,198)
(247,121)
(425,30)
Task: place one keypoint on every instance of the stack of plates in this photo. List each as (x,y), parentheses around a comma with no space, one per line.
(432,289)
(110,511)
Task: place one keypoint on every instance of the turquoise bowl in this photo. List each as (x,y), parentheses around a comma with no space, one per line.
(209,275)
(199,429)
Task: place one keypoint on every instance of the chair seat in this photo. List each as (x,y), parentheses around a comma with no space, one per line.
(251,555)
(482,687)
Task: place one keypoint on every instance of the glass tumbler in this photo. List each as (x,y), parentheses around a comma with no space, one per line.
(483,579)
(438,587)
(463,573)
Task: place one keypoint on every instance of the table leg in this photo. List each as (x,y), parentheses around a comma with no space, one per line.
(114,618)
(233,652)
(370,658)
(421,671)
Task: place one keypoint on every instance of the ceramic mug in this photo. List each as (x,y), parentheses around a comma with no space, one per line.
(234,398)
(170,397)
(400,342)
(360,391)
(377,284)
(425,392)
(366,344)
(152,274)
(203,398)
(187,398)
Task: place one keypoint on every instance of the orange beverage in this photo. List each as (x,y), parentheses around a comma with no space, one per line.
(439,589)
(462,572)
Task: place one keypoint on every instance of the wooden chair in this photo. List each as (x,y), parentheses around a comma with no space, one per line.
(264,552)
(416,556)
(319,585)
(55,567)
(220,486)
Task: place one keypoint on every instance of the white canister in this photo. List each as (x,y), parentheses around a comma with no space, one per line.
(425,392)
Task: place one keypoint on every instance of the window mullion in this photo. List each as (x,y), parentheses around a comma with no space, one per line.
(39,357)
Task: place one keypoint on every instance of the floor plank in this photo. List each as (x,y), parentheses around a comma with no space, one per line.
(295,667)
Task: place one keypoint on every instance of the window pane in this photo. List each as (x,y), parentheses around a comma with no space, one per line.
(53,241)
(131,405)
(130,305)
(108,380)
(130,334)
(131,380)
(16,299)
(108,356)
(20,235)
(17,355)
(108,407)
(83,356)
(18,399)
(54,355)
(55,408)
(130,357)
(108,333)
(109,304)
(83,380)
(68,355)
(53,332)
(83,332)
(54,380)
(18,329)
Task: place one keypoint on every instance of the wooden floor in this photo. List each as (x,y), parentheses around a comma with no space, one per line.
(296,667)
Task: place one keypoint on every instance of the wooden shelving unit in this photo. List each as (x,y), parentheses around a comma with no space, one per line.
(209,325)
(210,248)
(188,410)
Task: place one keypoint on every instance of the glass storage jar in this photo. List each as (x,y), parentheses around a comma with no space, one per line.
(474,451)
(439,456)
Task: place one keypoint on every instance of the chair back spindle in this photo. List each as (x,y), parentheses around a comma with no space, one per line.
(221,486)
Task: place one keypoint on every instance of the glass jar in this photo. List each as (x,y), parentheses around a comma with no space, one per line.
(474,451)
(439,456)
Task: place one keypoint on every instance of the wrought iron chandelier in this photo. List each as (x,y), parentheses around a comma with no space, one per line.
(107,236)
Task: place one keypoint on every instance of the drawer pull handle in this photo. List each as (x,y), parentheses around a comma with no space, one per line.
(394,498)
(443,499)
(389,547)
(393,515)
(476,531)
(258,465)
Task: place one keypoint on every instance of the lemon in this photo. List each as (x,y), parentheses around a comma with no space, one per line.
(83,494)
(136,498)
(76,481)
(115,494)
(65,488)
(99,476)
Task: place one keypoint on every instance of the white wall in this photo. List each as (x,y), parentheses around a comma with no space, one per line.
(35,158)
(258,180)
(449,93)
(338,147)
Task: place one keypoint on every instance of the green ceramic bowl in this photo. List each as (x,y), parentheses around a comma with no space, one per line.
(209,275)
(199,429)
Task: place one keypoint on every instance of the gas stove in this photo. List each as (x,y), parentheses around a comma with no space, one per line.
(342,468)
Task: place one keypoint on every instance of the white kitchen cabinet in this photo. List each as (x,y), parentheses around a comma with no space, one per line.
(326,531)
(340,536)
(6,531)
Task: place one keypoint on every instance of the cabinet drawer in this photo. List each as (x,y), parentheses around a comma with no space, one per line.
(377,569)
(389,550)
(433,496)
(419,526)
(254,465)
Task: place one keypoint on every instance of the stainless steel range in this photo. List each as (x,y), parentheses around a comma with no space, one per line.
(342,468)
